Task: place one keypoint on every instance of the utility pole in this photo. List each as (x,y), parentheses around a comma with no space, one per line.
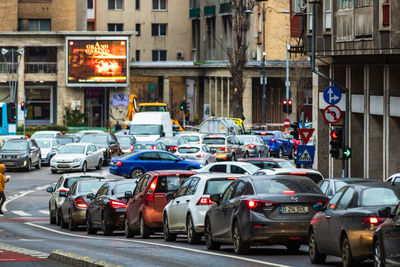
(287,79)
(264,81)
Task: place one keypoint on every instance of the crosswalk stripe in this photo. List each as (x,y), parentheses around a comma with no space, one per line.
(25,251)
(21,213)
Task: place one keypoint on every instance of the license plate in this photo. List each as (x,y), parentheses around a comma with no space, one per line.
(9,163)
(293,209)
(63,165)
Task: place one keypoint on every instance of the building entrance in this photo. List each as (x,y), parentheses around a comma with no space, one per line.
(97,107)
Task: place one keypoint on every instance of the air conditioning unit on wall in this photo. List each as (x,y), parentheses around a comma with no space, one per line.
(180,55)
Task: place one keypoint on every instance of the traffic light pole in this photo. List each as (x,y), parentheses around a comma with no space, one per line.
(287,79)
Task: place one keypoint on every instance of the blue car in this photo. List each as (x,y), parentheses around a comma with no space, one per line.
(279,143)
(134,165)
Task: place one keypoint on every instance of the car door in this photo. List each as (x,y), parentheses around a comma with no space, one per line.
(238,169)
(175,207)
(150,161)
(219,168)
(34,151)
(133,202)
(68,201)
(140,198)
(96,205)
(96,155)
(391,237)
(54,194)
(240,147)
(169,161)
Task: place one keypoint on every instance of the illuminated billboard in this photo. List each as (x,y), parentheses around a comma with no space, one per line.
(98,61)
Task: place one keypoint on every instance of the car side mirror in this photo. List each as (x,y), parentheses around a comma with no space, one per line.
(128,195)
(90,196)
(385,212)
(32,149)
(170,195)
(216,198)
(89,153)
(49,189)
(62,194)
(318,207)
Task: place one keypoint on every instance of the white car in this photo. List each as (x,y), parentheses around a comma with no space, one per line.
(394,178)
(198,152)
(314,175)
(185,213)
(191,137)
(48,148)
(77,156)
(234,167)
(46,134)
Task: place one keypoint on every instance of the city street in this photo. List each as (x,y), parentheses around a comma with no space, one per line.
(25,225)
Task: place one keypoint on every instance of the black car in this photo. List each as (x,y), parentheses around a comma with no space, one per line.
(330,186)
(126,142)
(172,143)
(106,211)
(106,142)
(387,240)
(20,154)
(262,210)
(345,226)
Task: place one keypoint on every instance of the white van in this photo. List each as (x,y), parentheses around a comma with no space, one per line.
(149,126)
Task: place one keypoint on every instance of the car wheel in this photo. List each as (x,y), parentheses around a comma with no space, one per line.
(84,166)
(128,232)
(52,216)
(53,170)
(315,256)
(71,224)
(347,257)
(292,154)
(63,224)
(233,158)
(239,245)
(280,153)
(98,167)
(58,217)
(144,231)
(107,229)
(168,236)
(210,243)
(39,164)
(191,168)
(28,166)
(192,236)
(379,256)
(136,173)
(89,228)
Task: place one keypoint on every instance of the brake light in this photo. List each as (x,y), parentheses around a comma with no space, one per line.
(204,201)
(173,148)
(200,156)
(154,147)
(111,150)
(251,203)
(374,220)
(132,147)
(298,173)
(117,204)
(289,192)
(64,190)
(272,140)
(80,203)
(231,178)
(263,133)
(119,163)
(258,203)
(152,188)
(251,146)
(224,149)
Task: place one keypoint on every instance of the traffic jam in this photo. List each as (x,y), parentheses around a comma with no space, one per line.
(217,185)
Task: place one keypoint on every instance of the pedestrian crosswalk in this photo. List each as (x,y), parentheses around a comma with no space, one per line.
(31,213)
(25,251)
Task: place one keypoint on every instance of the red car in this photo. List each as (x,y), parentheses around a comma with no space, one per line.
(144,212)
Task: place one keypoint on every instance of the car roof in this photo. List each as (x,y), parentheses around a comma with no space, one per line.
(47,132)
(274,177)
(192,145)
(291,170)
(170,172)
(238,163)
(78,144)
(82,174)
(350,179)
(262,159)
(210,175)
(45,138)
(373,185)
(95,180)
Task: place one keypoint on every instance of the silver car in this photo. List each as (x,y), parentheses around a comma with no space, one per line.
(48,148)
(198,152)
(77,156)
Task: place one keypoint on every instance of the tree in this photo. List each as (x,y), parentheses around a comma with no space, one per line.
(238,56)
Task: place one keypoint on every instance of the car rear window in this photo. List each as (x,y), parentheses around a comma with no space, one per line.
(313,176)
(380,196)
(89,187)
(192,138)
(188,150)
(277,186)
(214,140)
(170,183)
(266,135)
(217,186)
(69,181)
(142,146)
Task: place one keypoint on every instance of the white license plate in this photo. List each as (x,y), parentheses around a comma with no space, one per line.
(293,209)
(63,165)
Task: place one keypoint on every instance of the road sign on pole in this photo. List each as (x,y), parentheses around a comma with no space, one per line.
(332,95)
(332,114)
(305,154)
(286,123)
(305,134)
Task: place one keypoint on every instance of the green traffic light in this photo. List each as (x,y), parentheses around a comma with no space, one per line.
(347,152)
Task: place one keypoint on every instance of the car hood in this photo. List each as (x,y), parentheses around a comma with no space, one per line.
(68,156)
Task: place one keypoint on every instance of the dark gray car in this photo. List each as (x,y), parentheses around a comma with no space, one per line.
(254,145)
(20,154)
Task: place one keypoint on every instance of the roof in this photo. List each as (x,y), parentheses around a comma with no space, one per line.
(272,177)
(208,175)
(352,179)
(291,170)
(170,172)
(191,145)
(81,174)
(262,159)
(78,144)
(238,163)
(47,132)
(374,184)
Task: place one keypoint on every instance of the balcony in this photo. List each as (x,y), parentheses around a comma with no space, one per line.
(41,67)
(194,13)
(209,11)
(8,67)
(225,8)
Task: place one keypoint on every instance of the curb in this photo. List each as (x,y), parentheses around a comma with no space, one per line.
(76,260)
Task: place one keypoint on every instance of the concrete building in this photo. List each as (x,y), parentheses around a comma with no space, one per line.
(357,44)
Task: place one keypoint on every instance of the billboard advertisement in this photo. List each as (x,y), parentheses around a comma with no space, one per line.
(97,62)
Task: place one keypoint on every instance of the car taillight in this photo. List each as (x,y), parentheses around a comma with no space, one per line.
(63,190)
(298,173)
(272,140)
(226,149)
(173,148)
(251,146)
(374,220)
(154,147)
(152,188)
(289,192)
(119,163)
(111,150)
(80,203)
(132,147)
(199,156)
(204,201)
(258,203)
(117,204)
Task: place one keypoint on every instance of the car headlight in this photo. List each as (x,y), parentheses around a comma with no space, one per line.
(22,156)
(53,160)
(77,160)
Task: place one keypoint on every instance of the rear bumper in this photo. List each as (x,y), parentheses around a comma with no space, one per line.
(116,218)
(223,155)
(79,216)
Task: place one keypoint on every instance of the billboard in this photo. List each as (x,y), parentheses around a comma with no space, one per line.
(97,61)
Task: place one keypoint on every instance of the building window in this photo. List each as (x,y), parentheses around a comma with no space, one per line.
(137,4)
(159,4)
(115,27)
(115,4)
(34,25)
(327,17)
(138,29)
(137,55)
(194,4)
(38,103)
(158,29)
(346,4)
(363,3)
(297,6)
(90,4)
(159,55)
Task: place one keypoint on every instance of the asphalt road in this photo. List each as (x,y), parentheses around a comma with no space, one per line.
(25,225)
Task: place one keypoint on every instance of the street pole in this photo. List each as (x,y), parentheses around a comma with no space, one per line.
(264,97)
(287,80)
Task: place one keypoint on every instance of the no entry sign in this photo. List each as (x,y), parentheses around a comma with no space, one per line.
(286,123)
(332,114)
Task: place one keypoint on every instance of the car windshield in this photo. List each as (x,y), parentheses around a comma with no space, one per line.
(188,150)
(124,141)
(89,187)
(42,135)
(64,141)
(94,138)
(217,186)
(145,129)
(15,145)
(76,149)
(170,183)
(122,188)
(43,143)
(214,140)
(277,186)
(142,146)
(380,196)
(152,108)
(69,181)
(192,138)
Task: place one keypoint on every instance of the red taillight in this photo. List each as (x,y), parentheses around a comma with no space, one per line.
(251,146)
(289,192)
(173,148)
(116,204)
(154,147)
(80,203)
(205,201)
(252,203)
(63,190)
(111,150)
(272,140)
(118,163)
(200,156)
(257,203)
(226,149)
(298,173)
(152,188)
(132,147)
(374,220)
(231,178)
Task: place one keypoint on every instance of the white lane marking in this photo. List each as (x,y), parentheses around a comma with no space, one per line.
(163,245)
(45,212)
(25,251)
(23,193)
(22,213)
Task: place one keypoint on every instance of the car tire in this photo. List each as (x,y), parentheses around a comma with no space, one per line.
(128,232)
(292,154)
(192,236)
(210,243)
(347,257)
(28,166)
(84,166)
(168,236)
(63,224)
(136,173)
(379,256)
(315,256)
(52,216)
(89,228)
(54,171)
(293,246)
(144,231)
(98,167)
(192,168)
(58,217)
(71,224)
(239,246)
(280,153)
(107,229)
(39,164)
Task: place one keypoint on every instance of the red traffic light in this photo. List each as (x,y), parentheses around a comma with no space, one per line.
(334,135)
(284,102)
(290,102)
(22,104)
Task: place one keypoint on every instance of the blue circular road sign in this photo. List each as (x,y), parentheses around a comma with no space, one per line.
(332,95)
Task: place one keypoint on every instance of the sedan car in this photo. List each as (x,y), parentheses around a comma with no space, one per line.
(155,145)
(393,178)
(48,148)
(73,209)
(66,139)
(126,142)
(144,212)
(77,156)
(63,185)
(46,134)
(279,144)
(184,214)
(254,145)
(106,142)
(269,163)
(172,143)
(225,147)
(234,167)
(262,210)
(198,152)
(106,211)
(134,165)
(345,226)
(314,175)
(21,154)
(330,186)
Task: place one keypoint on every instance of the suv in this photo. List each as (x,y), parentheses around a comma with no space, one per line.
(226,147)
(106,142)
(144,211)
(279,143)
(20,154)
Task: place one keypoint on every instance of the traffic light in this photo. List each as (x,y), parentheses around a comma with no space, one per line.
(183,106)
(336,142)
(22,106)
(347,152)
(287,106)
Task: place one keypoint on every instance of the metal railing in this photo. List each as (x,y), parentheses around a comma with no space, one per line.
(41,67)
(8,67)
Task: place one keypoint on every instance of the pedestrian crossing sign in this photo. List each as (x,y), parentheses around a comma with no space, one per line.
(305,154)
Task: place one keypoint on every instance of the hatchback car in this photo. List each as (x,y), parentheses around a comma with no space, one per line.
(48,148)
(198,152)
(172,143)
(192,137)
(233,167)
(106,211)
(46,134)
(184,214)
(345,226)
(254,145)
(330,186)
(134,165)
(225,147)
(106,142)
(262,210)
(126,142)
(314,175)
(20,154)
(279,143)
(144,212)
(269,163)
(77,156)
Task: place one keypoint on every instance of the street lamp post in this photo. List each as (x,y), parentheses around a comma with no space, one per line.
(12,79)
(264,96)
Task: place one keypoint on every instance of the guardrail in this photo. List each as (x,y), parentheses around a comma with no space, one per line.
(41,67)
(8,67)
